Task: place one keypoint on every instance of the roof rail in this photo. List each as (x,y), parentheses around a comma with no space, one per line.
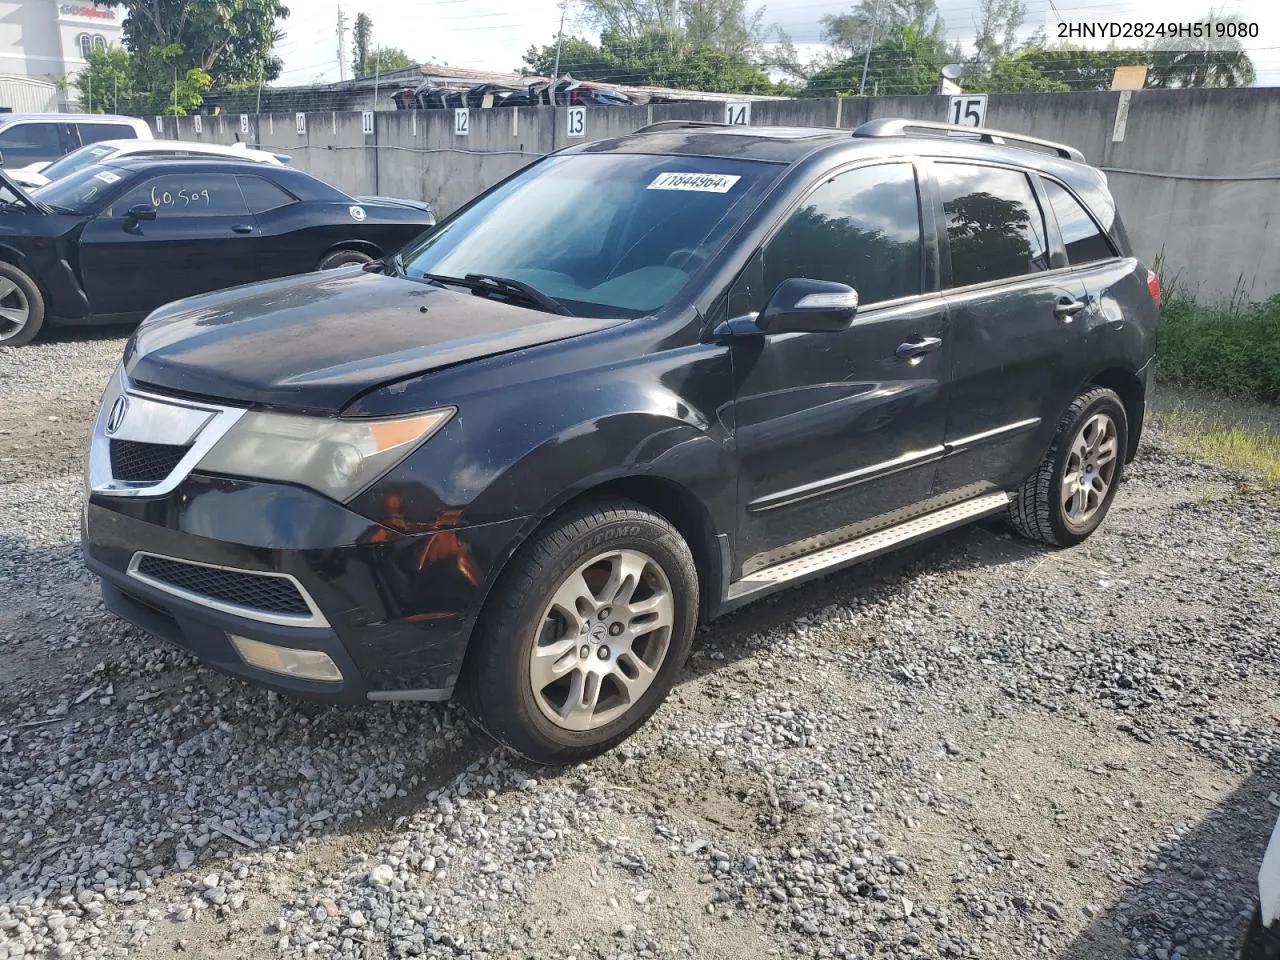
(899,127)
(677,124)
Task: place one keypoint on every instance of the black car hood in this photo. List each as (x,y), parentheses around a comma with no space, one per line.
(315,342)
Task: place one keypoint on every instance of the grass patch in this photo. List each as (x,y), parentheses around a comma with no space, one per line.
(1232,348)
(1254,450)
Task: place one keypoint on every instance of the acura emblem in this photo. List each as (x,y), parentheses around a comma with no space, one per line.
(116,416)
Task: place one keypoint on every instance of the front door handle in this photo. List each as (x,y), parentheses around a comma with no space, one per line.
(242,228)
(913,350)
(1066,308)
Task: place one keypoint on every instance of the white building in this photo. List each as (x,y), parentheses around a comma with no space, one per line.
(50,39)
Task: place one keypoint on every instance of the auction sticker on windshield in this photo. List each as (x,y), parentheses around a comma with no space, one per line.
(106,176)
(703,182)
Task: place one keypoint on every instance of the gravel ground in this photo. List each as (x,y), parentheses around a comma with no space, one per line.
(975,747)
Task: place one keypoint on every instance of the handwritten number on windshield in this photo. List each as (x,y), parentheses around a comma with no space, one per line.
(184,197)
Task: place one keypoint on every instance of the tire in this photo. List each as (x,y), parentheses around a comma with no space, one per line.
(1041,510)
(343,258)
(19,297)
(528,610)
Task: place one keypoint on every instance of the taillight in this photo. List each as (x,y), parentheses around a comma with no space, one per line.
(1153,287)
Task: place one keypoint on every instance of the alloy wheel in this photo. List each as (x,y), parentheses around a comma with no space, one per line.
(1090,469)
(601,639)
(15,310)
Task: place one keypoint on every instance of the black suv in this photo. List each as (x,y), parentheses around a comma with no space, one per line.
(635,385)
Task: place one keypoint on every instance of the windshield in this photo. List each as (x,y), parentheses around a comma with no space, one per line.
(79,192)
(77,160)
(604,234)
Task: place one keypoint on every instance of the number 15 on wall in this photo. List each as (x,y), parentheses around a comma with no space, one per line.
(968,110)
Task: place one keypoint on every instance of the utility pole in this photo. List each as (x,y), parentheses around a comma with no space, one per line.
(342,45)
(555,73)
(866,61)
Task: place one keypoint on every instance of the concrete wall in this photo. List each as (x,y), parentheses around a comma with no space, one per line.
(1196,173)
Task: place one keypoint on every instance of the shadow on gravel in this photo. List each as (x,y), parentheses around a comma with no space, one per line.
(235,767)
(1193,900)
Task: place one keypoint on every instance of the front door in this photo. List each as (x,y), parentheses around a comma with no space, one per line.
(838,433)
(203,238)
(1013,308)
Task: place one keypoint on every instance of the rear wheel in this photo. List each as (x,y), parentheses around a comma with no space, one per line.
(585,634)
(343,258)
(1070,493)
(21,307)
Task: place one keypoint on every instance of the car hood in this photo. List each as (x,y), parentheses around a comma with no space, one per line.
(316,341)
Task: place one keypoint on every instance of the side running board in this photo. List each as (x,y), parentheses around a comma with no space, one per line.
(825,561)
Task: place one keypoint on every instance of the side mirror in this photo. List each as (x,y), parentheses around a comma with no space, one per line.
(808,306)
(141,211)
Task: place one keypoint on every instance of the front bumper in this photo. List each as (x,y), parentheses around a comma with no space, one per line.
(395,611)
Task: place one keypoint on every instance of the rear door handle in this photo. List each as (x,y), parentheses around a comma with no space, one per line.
(242,228)
(913,350)
(1066,308)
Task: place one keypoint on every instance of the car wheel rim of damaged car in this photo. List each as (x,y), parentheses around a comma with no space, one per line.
(601,640)
(14,309)
(1090,469)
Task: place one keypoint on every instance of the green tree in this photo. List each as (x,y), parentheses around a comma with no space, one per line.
(869,21)
(1017,73)
(386,60)
(106,82)
(905,61)
(362,41)
(228,40)
(1217,62)
(580,57)
(722,25)
(658,57)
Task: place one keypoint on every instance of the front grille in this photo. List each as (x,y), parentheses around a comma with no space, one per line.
(256,591)
(136,462)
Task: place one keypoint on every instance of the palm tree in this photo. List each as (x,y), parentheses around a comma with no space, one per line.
(1217,62)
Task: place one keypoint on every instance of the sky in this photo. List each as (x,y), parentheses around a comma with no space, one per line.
(494,34)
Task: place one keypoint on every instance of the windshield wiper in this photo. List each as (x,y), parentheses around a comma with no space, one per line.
(482,283)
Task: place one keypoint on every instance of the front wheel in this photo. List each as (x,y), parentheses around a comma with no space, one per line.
(21,307)
(1071,491)
(585,633)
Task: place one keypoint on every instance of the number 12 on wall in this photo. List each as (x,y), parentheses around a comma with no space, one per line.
(968,110)
(461,122)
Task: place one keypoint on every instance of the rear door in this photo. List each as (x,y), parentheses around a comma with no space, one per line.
(837,431)
(1012,305)
(283,220)
(203,238)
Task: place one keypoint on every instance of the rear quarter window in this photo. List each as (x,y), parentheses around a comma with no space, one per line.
(1083,238)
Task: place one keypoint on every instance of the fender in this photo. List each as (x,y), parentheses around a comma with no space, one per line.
(523,450)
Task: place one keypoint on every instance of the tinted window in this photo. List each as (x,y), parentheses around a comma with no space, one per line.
(1081,236)
(994,224)
(26,143)
(861,228)
(186,195)
(262,195)
(93,132)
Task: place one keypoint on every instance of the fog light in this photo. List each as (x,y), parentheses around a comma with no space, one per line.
(290,661)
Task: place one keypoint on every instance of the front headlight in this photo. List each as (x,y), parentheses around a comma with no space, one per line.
(339,458)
